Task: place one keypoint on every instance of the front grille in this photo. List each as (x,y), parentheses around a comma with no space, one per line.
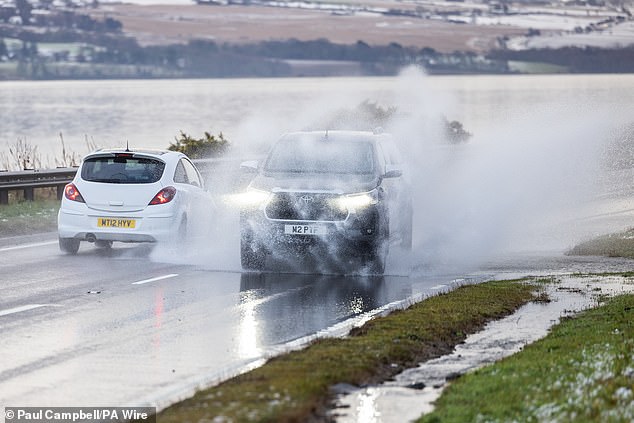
(305,207)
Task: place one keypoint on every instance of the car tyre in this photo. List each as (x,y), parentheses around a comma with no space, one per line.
(406,242)
(375,259)
(181,235)
(69,245)
(252,255)
(376,255)
(103,245)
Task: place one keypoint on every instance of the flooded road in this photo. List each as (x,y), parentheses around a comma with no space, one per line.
(120,328)
(136,327)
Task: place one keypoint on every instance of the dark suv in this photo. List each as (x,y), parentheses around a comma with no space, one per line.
(338,194)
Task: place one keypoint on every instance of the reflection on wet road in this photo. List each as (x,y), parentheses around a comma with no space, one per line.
(104,328)
(118,328)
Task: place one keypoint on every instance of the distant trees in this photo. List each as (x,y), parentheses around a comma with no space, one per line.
(575,59)
(24,9)
(4,51)
(28,50)
(68,19)
(323,49)
(368,116)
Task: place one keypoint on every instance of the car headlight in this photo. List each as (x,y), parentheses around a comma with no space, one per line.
(251,198)
(358,201)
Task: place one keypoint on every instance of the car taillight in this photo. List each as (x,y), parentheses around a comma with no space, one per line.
(164,196)
(72,193)
(124,155)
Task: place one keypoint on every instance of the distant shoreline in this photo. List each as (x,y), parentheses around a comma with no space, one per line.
(263,38)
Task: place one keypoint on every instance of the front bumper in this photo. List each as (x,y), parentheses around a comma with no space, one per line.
(359,230)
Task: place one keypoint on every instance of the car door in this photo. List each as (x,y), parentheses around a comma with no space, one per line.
(398,195)
(200,203)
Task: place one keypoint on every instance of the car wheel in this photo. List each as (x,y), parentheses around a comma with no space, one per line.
(252,255)
(181,232)
(406,241)
(376,253)
(375,258)
(69,245)
(103,245)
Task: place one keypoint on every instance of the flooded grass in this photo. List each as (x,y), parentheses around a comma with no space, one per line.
(582,371)
(614,245)
(297,386)
(28,217)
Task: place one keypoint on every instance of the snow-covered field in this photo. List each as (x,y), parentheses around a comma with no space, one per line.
(443,25)
(619,35)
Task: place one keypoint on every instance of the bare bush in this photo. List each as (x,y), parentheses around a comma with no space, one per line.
(68,158)
(22,156)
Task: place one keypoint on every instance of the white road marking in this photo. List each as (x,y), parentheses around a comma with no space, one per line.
(22,247)
(25,308)
(158,278)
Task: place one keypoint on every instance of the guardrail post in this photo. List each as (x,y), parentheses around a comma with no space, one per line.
(60,191)
(29,194)
(4,196)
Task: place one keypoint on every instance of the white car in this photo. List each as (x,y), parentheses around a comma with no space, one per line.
(131,196)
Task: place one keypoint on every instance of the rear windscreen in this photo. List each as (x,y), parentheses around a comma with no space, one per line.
(122,170)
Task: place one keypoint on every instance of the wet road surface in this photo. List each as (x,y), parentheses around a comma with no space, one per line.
(117,327)
(121,327)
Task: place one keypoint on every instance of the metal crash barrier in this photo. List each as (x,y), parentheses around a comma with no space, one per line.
(28,180)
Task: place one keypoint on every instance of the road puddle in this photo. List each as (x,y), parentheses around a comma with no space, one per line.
(413,392)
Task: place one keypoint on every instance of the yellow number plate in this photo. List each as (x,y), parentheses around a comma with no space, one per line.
(109,222)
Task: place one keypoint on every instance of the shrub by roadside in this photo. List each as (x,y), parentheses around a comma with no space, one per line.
(200,148)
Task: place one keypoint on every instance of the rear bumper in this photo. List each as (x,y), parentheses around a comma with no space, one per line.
(83,225)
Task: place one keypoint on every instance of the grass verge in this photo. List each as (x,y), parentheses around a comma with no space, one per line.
(614,245)
(295,387)
(28,217)
(583,371)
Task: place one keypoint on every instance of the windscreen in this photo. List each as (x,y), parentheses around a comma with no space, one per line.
(122,170)
(321,156)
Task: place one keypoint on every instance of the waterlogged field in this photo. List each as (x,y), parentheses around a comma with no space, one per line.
(583,371)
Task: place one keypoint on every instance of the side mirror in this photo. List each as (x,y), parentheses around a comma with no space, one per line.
(250,166)
(392,172)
